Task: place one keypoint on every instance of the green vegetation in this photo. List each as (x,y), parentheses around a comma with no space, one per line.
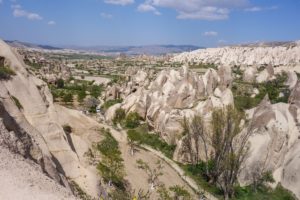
(79,192)
(6,73)
(141,135)
(111,166)
(60,83)
(173,193)
(194,65)
(119,116)
(153,173)
(242,92)
(197,172)
(17,102)
(132,120)
(219,174)
(110,103)
(33,65)
(67,90)
(67,97)
(264,192)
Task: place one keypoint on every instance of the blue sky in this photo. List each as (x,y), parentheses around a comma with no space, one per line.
(142,22)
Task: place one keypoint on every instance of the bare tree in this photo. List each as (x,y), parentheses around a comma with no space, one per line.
(153,174)
(133,146)
(199,133)
(187,142)
(230,146)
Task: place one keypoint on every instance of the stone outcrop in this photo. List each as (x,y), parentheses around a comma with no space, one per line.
(237,55)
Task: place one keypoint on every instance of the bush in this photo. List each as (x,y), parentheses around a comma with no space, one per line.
(152,140)
(79,192)
(119,116)
(111,166)
(6,73)
(60,83)
(264,192)
(132,120)
(95,90)
(110,103)
(81,95)
(67,97)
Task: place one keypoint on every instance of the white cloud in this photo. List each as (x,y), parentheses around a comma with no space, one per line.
(222,41)
(145,7)
(200,9)
(210,33)
(51,23)
(206,13)
(106,15)
(119,2)
(19,12)
(257,8)
(253,9)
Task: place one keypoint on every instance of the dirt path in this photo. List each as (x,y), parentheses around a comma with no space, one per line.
(173,174)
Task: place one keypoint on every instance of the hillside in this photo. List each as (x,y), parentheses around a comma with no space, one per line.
(281,54)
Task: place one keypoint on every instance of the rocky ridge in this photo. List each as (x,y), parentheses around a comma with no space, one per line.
(263,55)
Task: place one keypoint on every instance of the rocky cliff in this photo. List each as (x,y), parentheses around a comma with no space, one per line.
(34,127)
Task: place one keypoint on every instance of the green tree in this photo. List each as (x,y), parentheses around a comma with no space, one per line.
(230,147)
(111,166)
(119,116)
(60,83)
(132,120)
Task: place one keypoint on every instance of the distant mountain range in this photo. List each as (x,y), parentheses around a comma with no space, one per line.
(18,44)
(129,50)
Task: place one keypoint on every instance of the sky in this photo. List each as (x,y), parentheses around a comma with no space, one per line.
(207,23)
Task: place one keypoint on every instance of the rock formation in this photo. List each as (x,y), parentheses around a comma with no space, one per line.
(173,95)
(285,55)
(35,130)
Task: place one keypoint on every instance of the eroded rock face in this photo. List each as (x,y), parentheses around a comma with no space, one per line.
(27,109)
(174,94)
(275,142)
(229,56)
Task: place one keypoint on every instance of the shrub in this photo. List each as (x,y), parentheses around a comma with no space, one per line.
(6,73)
(132,120)
(67,97)
(60,83)
(81,95)
(96,90)
(111,166)
(110,103)
(79,192)
(152,140)
(119,116)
